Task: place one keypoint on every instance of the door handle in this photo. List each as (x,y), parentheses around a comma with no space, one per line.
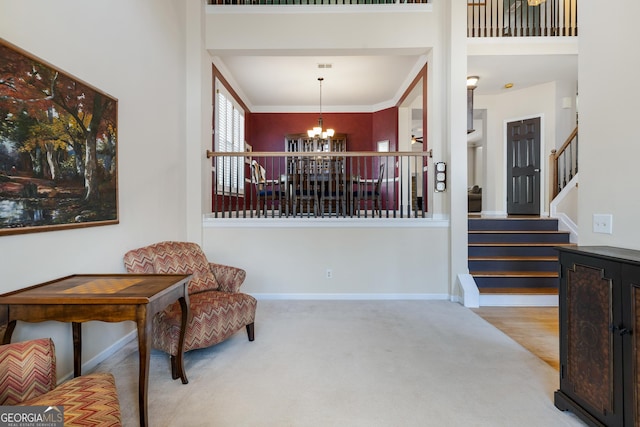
(536,170)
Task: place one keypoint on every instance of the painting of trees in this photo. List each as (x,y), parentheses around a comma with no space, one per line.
(58,148)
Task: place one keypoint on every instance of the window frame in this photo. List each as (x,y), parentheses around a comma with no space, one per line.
(230,171)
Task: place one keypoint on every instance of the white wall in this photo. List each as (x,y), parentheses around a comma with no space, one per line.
(538,101)
(278,262)
(475,166)
(566,109)
(609,109)
(133,50)
(234,30)
(568,204)
(371,262)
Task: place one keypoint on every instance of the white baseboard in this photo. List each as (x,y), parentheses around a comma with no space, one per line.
(350,296)
(482,300)
(470,293)
(91,364)
(566,224)
(496,214)
(510,300)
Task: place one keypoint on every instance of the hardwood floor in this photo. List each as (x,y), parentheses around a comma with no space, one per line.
(535,328)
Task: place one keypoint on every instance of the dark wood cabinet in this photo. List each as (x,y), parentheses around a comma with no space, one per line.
(313,161)
(316,175)
(599,354)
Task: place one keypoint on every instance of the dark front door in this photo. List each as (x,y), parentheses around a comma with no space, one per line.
(523,167)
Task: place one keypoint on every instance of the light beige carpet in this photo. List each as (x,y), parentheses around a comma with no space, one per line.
(351,363)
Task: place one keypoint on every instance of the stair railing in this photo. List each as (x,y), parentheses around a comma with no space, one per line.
(515,18)
(563,164)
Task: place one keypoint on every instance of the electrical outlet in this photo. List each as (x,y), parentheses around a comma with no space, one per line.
(329,273)
(603,223)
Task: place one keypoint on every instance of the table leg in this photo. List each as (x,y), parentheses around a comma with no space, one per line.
(8,332)
(184,306)
(77,348)
(144,351)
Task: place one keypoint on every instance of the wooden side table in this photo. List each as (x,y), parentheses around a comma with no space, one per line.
(108,298)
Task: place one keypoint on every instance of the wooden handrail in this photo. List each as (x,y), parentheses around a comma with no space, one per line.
(566,143)
(210,154)
(554,182)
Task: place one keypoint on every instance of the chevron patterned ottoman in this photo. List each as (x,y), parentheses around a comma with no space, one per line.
(28,378)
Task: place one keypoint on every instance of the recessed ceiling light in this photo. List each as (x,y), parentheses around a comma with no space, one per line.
(508,85)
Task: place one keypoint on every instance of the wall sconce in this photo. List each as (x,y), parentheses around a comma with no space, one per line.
(441,177)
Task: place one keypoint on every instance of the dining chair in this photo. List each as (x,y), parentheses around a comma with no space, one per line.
(268,192)
(306,189)
(367,192)
(333,197)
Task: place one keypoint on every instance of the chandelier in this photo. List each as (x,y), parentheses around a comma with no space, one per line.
(535,2)
(318,131)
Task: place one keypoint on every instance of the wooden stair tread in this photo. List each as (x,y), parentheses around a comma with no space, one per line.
(517,232)
(512,217)
(523,244)
(525,259)
(519,291)
(513,258)
(514,273)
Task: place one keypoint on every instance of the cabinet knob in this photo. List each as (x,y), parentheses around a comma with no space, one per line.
(621,330)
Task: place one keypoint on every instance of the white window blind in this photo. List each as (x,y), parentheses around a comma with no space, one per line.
(229,138)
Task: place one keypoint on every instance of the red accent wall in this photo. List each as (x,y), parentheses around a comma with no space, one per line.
(385,126)
(266,131)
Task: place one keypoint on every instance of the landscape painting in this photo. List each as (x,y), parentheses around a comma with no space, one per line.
(58,148)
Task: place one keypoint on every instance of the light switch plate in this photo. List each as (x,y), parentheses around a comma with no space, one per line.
(603,223)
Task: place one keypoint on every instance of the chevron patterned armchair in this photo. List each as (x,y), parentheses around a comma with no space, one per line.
(217,308)
(28,378)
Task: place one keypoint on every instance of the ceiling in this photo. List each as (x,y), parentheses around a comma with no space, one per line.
(521,70)
(351,83)
(368,83)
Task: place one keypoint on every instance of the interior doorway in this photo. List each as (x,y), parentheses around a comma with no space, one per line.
(412,124)
(476,161)
(523,167)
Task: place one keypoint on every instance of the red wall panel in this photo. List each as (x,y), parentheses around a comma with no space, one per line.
(385,127)
(266,131)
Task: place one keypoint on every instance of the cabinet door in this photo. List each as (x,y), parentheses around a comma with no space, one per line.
(590,356)
(631,342)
